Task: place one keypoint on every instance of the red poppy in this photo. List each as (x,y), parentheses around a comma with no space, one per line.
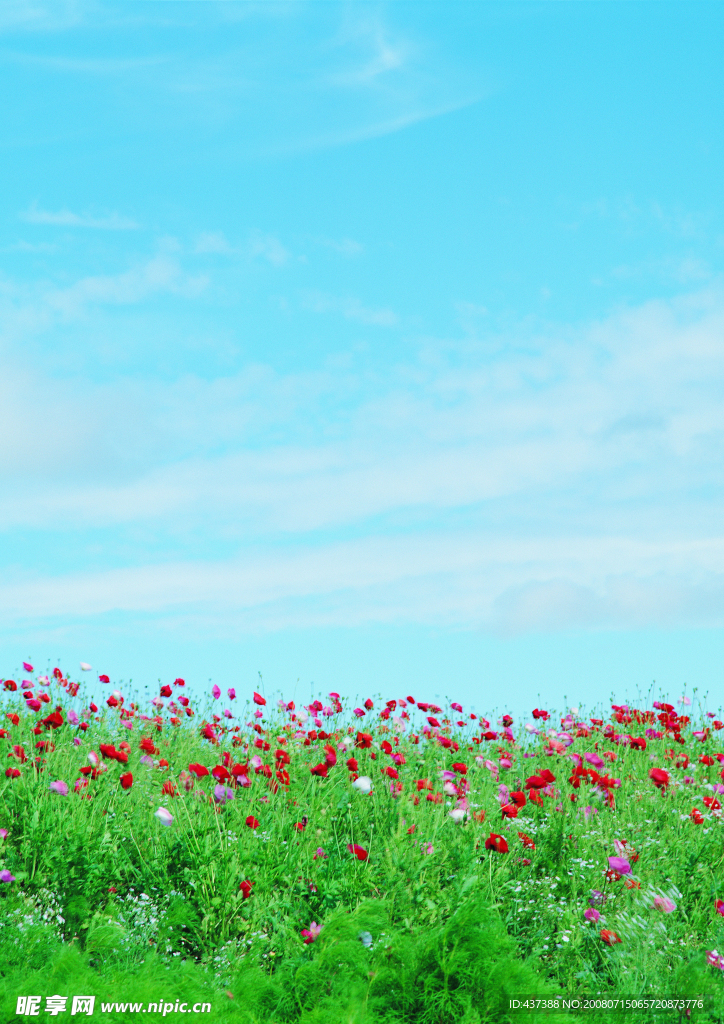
(539,713)
(696,816)
(659,777)
(168,788)
(126,780)
(245,888)
(258,699)
(220,773)
(391,773)
(460,768)
(535,782)
(526,841)
(434,723)
(166,691)
(198,770)
(147,746)
(610,938)
(496,842)
(359,851)
(518,799)
(252,822)
(386,747)
(352,764)
(330,756)
(368,704)
(10,685)
(423,784)
(15,719)
(12,773)
(364,740)
(320,770)
(509,811)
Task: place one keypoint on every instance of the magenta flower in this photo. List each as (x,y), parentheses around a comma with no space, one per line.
(59,787)
(619,864)
(216,692)
(4,835)
(712,957)
(222,794)
(719,905)
(319,854)
(5,876)
(591,914)
(232,693)
(311,933)
(588,811)
(594,759)
(72,717)
(359,712)
(663,904)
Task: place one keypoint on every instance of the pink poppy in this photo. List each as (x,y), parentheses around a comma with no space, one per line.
(311,933)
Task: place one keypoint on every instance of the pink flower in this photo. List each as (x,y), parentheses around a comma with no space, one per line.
(72,717)
(5,876)
(712,957)
(216,692)
(719,905)
(428,848)
(164,816)
(311,933)
(59,787)
(594,759)
(663,904)
(591,914)
(222,794)
(320,854)
(4,834)
(27,666)
(232,693)
(619,864)
(359,712)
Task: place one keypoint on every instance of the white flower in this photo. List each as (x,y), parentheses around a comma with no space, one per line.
(164,816)
(457,814)
(85,666)
(363,784)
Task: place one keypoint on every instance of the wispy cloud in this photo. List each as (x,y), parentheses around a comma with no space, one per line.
(66,218)
(350,308)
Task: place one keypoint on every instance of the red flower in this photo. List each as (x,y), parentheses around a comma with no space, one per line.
(168,788)
(539,713)
(610,938)
(166,691)
(526,841)
(460,768)
(147,746)
(12,773)
(518,799)
(252,822)
(368,704)
(126,780)
(10,685)
(364,740)
(220,773)
(535,782)
(696,816)
(391,773)
(198,770)
(258,699)
(330,755)
(386,747)
(352,764)
(423,784)
(359,851)
(434,723)
(509,811)
(496,842)
(320,770)
(245,888)
(659,777)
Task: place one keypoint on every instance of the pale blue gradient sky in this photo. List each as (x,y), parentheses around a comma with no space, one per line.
(379,346)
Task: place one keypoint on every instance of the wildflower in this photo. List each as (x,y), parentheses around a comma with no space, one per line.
(363,784)
(696,816)
(245,889)
(126,780)
(320,854)
(164,816)
(526,841)
(458,814)
(3,833)
(509,811)
(664,904)
(719,906)
(320,770)
(222,794)
(496,842)
(610,938)
(5,876)
(311,933)
(660,778)
(216,692)
(428,849)
(359,851)
(198,770)
(59,787)
(591,914)
(712,957)
(252,822)
(258,699)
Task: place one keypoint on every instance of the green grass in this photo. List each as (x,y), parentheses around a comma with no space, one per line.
(451,935)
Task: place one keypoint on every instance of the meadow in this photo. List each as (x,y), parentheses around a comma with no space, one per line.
(398,861)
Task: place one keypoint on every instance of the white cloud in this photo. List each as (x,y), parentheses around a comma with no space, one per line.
(350,308)
(65,218)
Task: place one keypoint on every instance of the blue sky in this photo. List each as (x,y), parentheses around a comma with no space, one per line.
(372,347)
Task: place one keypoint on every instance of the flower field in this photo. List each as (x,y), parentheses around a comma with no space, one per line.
(399,861)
